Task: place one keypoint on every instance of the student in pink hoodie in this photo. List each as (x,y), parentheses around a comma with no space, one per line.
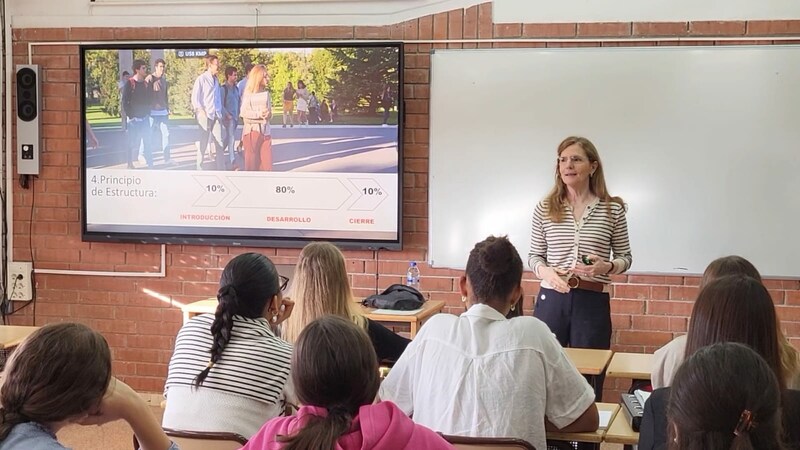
(335,375)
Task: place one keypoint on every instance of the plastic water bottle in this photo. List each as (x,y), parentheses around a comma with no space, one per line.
(412,276)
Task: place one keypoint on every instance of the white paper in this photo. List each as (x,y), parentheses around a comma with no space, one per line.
(605,417)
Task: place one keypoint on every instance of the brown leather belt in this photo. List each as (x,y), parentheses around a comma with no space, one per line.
(578,283)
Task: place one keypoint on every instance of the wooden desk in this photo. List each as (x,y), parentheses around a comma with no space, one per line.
(636,366)
(190,310)
(415,321)
(11,335)
(594,437)
(589,361)
(620,431)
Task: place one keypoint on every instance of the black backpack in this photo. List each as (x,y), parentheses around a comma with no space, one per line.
(396,296)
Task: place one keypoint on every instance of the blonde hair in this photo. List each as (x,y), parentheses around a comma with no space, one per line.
(255,79)
(320,287)
(790,360)
(557,198)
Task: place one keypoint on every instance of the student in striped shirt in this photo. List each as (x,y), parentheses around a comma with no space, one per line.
(229,371)
(579,236)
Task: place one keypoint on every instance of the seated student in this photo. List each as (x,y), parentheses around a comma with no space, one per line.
(667,359)
(725,396)
(335,373)
(229,371)
(60,375)
(481,374)
(734,308)
(321,286)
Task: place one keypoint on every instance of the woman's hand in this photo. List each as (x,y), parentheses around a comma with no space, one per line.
(597,268)
(284,311)
(116,404)
(122,402)
(553,276)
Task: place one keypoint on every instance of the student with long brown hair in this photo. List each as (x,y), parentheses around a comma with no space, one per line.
(668,358)
(229,372)
(733,308)
(335,374)
(321,287)
(61,375)
(725,396)
(482,374)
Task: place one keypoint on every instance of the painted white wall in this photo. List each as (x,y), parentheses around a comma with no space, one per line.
(558,11)
(139,13)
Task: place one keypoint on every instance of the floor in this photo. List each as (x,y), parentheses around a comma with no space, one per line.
(118,436)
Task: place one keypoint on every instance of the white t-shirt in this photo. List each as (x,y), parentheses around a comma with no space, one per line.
(483,375)
(666,361)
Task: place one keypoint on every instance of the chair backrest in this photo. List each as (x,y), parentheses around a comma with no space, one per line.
(483,443)
(200,440)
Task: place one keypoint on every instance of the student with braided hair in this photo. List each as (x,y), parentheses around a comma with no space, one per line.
(229,371)
(441,378)
(335,372)
(725,397)
(61,375)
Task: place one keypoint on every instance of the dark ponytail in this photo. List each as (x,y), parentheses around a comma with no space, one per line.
(333,367)
(320,432)
(247,283)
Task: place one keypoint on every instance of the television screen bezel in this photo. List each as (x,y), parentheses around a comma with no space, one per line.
(242,241)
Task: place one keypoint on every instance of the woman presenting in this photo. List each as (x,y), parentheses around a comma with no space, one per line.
(579,237)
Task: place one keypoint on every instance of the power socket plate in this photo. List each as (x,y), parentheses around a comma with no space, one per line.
(20,281)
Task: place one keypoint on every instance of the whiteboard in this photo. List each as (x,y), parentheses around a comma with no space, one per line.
(702,143)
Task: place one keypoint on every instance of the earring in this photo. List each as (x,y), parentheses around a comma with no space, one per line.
(514,308)
(463,299)
(274,318)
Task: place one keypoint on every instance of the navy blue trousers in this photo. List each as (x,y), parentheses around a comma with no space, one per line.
(580,319)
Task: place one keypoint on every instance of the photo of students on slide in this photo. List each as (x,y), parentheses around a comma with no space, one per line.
(339,119)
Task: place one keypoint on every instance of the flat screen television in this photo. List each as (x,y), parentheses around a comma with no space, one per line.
(259,145)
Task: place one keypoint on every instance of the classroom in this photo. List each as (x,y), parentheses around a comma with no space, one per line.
(461,145)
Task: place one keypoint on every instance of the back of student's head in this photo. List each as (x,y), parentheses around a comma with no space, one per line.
(729,265)
(321,286)
(494,269)
(725,396)
(59,372)
(736,308)
(334,367)
(248,283)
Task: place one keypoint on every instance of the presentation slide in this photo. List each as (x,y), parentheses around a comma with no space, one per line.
(243,144)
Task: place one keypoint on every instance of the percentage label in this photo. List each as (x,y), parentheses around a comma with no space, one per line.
(372,191)
(284,189)
(215,188)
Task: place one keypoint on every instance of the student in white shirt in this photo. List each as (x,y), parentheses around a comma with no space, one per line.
(481,374)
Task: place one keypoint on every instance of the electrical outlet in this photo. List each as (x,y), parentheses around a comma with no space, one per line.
(20,281)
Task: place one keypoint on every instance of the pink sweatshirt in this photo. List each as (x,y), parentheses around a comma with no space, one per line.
(380,426)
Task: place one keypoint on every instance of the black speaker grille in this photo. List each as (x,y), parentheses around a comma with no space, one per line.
(26,94)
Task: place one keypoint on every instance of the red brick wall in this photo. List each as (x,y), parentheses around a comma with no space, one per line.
(647,310)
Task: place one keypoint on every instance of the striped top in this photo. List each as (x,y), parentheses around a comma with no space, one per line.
(601,231)
(254,364)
